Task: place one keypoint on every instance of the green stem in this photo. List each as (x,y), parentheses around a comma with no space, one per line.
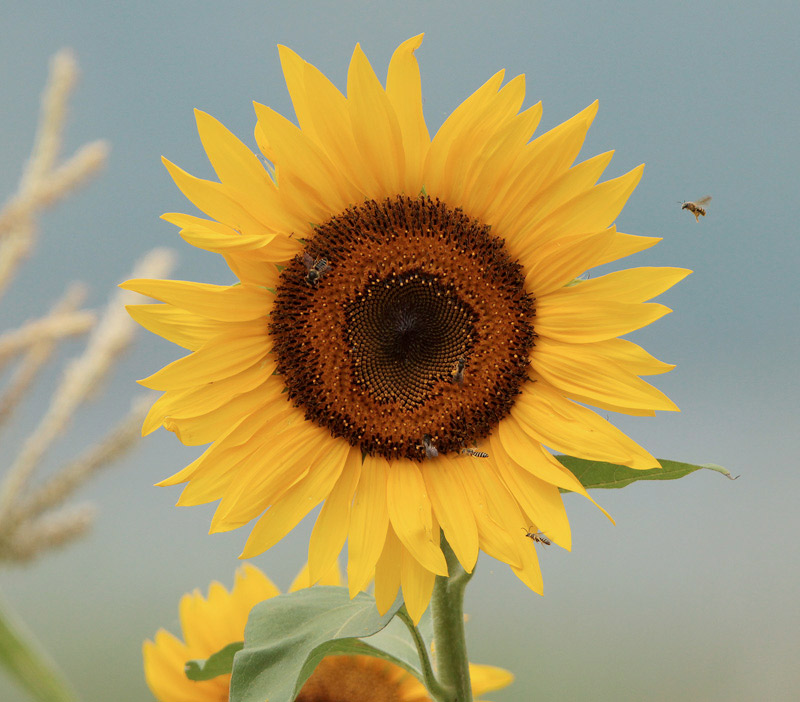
(28,664)
(447,605)
(433,686)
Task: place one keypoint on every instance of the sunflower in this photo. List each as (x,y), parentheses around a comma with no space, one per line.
(409,338)
(209,624)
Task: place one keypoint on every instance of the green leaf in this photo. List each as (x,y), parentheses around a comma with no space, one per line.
(28,664)
(596,474)
(288,635)
(220,663)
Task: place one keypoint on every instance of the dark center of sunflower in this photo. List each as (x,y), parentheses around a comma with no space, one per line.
(406,332)
(402,320)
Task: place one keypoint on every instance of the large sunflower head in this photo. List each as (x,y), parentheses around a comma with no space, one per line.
(211,623)
(407,341)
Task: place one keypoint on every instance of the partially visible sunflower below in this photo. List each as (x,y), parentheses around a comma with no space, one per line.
(405,306)
(209,624)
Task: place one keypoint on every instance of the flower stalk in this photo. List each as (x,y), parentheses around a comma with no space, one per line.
(450,641)
(438,692)
(28,664)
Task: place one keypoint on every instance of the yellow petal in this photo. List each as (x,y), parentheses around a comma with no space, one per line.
(545,416)
(283,461)
(494,535)
(452,508)
(417,582)
(297,502)
(455,126)
(180,327)
(220,202)
(477,134)
(332,576)
(625,245)
(234,164)
(375,126)
(207,427)
(591,211)
(578,319)
(333,522)
(387,572)
(486,678)
(404,90)
(368,523)
(570,369)
(294,73)
(332,123)
(540,500)
(489,174)
(221,357)
(251,586)
(631,285)
(205,398)
(542,161)
(226,303)
(306,172)
(558,262)
(206,239)
(631,356)
(410,513)
(562,189)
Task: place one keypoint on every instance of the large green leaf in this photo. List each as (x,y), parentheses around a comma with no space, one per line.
(219,663)
(288,635)
(596,474)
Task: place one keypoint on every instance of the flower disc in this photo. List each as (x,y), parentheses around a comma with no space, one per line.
(414,292)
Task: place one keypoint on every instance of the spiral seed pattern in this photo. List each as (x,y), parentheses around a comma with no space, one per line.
(413,287)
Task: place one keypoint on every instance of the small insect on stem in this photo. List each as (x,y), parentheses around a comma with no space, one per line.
(430,449)
(697,207)
(466,451)
(536,536)
(316,269)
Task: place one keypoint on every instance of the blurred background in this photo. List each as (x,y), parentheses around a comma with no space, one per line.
(693,594)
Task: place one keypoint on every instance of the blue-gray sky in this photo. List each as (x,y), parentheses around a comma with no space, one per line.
(693,593)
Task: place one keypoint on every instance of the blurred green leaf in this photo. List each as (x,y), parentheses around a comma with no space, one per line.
(596,474)
(288,635)
(28,664)
(219,663)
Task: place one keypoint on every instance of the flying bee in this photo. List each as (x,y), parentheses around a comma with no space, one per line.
(316,269)
(698,207)
(457,372)
(466,451)
(430,449)
(537,536)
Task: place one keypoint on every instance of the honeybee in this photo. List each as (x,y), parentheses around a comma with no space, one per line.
(457,372)
(537,536)
(698,207)
(430,449)
(466,451)
(316,269)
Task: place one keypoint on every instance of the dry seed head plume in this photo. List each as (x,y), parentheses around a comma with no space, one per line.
(43,181)
(33,519)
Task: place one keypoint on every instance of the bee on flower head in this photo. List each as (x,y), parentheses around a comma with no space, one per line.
(466,451)
(697,207)
(430,450)
(537,536)
(457,372)
(316,269)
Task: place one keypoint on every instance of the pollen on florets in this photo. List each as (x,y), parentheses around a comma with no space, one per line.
(369,351)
